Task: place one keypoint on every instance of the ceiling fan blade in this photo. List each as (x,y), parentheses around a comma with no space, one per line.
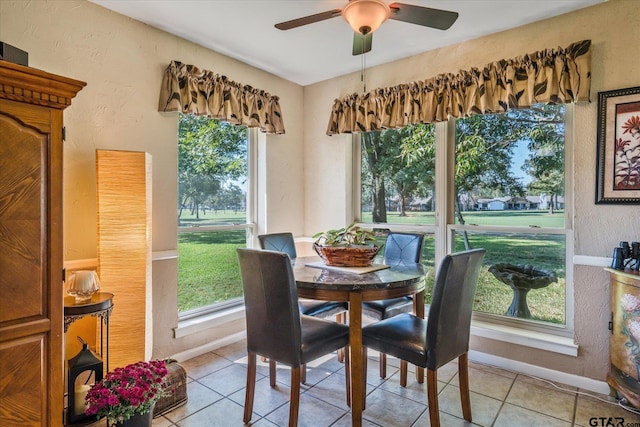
(425,16)
(361,44)
(299,22)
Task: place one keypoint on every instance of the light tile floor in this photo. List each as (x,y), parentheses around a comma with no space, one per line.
(499,398)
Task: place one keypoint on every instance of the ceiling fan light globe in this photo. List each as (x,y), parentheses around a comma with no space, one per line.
(366,16)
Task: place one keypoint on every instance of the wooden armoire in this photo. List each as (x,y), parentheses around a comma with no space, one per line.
(31,258)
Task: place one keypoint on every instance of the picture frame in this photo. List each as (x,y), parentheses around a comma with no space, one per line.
(618,160)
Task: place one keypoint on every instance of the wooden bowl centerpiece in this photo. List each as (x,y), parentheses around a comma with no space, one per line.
(346,247)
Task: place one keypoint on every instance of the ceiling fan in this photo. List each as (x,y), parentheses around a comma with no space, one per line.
(366,16)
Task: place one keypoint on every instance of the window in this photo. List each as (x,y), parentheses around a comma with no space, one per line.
(397,184)
(508,197)
(398,175)
(214,212)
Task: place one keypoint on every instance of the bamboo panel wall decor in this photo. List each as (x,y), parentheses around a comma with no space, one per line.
(123,186)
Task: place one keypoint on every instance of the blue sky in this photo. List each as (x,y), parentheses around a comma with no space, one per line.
(520,154)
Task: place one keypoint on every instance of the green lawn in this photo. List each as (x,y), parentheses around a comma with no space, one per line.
(523,218)
(208,269)
(212,218)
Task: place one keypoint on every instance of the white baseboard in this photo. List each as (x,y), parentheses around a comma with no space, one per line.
(213,345)
(537,371)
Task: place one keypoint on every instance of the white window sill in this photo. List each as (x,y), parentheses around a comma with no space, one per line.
(208,321)
(518,336)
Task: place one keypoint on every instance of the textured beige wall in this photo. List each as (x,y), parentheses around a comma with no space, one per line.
(122,61)
(613,29)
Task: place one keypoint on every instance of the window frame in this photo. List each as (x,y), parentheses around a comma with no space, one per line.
(445,227)
(250,226)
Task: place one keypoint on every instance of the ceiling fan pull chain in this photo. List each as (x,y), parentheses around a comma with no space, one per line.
(363,73)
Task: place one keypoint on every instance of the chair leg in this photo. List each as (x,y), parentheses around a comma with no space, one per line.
(341,318)
(347,373)
(364,377)
(404,367)
(251,387)
(432,397)
(463,375)
(303,374)
(294,398)
(383,365)
(272,373)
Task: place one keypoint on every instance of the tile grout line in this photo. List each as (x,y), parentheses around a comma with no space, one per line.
(504,401)
(575,410)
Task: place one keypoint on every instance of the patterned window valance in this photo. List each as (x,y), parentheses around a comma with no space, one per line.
(188,89)
(548,76)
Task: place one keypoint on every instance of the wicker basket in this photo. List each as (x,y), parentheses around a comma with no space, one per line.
(347,256)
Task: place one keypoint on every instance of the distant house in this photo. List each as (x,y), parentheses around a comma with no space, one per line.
(495,204)
(421,203)
(519,203)
(534,202)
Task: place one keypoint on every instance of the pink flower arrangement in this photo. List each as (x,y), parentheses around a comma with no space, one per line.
(127,391)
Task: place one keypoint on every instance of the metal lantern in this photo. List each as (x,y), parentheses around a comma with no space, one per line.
(85,369)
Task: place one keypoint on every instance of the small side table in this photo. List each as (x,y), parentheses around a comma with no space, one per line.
(101,305)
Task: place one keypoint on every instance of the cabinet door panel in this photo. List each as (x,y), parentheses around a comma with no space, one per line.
(23,226)
(21,382)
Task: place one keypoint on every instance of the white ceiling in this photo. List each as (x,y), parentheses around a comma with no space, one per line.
(244,30)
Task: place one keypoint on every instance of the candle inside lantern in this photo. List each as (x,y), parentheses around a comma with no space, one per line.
(80,393)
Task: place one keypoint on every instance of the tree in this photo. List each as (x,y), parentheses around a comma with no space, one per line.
(546,159)
(385,164)
(484,148)
(541,125)
(210,154)
(234,197)
(380,151)
(416,175)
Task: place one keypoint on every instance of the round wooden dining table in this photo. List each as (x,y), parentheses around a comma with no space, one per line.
(315,280)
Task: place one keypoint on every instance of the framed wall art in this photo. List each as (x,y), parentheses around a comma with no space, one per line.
(618,161)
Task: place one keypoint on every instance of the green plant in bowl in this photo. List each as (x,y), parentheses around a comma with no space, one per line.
(346,236)
(351,246)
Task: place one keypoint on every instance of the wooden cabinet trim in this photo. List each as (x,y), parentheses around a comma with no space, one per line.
(34,86)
